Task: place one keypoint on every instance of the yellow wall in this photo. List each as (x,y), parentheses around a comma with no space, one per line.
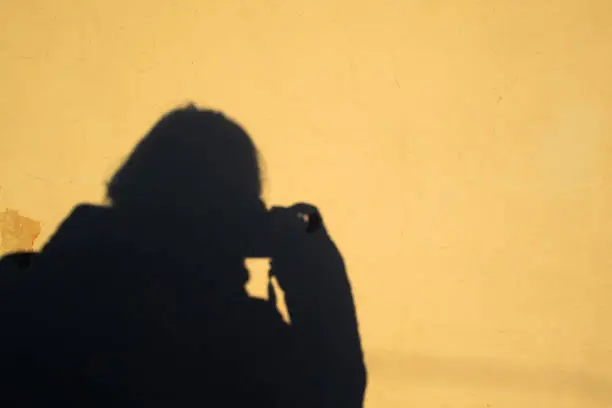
(461,152)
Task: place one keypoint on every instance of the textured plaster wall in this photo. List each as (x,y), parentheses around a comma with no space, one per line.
(461,153)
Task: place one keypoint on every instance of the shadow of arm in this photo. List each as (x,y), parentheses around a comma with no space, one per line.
(319,300)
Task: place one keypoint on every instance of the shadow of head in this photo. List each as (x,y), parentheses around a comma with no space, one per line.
(191,188)
(193,162)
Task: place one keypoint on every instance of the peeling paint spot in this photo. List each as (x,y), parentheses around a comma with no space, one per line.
(17,233)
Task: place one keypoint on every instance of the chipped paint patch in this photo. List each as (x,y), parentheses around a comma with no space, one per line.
(17,233)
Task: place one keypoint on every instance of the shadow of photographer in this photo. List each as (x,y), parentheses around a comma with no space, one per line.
(142,302)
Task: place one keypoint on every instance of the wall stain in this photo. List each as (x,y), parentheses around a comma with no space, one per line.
(17,233)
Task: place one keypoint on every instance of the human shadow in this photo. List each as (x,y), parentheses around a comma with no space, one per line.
(142,302)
